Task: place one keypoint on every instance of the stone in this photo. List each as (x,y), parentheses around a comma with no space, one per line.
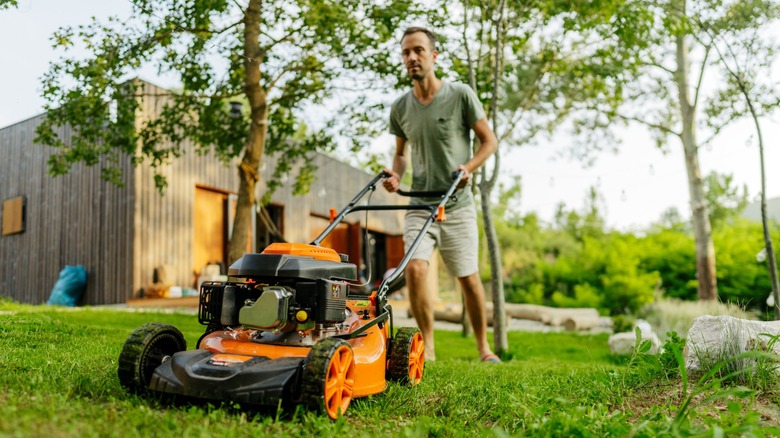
(713,338)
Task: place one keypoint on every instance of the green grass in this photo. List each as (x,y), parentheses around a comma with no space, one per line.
(58,378)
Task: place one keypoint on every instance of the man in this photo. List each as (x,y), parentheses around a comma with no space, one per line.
(432,124)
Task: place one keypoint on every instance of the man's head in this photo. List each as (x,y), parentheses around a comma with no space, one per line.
(418,49)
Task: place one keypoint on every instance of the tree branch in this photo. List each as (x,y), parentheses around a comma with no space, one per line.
(275,41)
(701,75)
(291,67)
(650,125)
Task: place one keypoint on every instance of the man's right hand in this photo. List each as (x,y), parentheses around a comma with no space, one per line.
(393,182)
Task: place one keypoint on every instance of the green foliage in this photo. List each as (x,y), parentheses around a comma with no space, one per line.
(725,201)
(611,265)
(533,295)
(668,357)
(584,296)
(622,323)
(560,60)
(672,253)
(741,278)
(305,48)
(577,262)
(6,4)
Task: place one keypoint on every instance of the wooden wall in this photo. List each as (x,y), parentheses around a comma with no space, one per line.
(73,219)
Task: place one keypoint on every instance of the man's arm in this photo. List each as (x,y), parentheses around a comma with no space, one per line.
(400,163)
(487,146)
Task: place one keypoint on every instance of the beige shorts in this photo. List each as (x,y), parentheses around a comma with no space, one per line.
(457,239)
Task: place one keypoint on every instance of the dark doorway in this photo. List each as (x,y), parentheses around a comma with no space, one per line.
(270,226)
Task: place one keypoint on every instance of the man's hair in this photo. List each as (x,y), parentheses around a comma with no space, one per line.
(428,33)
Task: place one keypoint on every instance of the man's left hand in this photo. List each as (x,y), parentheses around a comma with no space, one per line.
(464,180)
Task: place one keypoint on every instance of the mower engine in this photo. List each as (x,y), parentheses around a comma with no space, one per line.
(283,293)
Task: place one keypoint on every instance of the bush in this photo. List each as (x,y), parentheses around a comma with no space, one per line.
(584,296)
(576,262)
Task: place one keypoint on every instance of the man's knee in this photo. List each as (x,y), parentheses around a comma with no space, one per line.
(471,284)
(416,269)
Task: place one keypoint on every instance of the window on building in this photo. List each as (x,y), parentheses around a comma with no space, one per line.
(14,215)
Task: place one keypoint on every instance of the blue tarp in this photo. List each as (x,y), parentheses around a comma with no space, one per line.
(69,287)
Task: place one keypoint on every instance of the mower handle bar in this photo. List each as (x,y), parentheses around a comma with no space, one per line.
(385,285)
(432,208)
(371,186)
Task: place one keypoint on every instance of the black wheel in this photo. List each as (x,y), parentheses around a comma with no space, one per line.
(407,356)
(329,377)
(147,347)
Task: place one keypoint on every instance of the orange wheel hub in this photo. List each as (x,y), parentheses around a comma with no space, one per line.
(416,359)
(339,381)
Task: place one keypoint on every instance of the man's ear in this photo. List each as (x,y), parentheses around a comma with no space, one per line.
(435,55)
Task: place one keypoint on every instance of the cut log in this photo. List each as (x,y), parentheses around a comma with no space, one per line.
(581,322)
(569,318)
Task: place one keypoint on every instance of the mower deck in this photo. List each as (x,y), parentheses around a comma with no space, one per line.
(203,374)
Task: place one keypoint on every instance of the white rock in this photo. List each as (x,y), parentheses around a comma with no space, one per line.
(623,343)
(713,338)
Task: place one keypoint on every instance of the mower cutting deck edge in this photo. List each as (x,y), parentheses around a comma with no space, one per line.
(290,326)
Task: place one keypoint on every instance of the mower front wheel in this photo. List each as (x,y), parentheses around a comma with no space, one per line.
(407,356)
(329,377)
(147,347)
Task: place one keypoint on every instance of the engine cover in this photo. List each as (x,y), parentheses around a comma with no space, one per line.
(269,312)
(331,301)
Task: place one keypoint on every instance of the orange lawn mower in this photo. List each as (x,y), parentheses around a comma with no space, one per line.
(291,326)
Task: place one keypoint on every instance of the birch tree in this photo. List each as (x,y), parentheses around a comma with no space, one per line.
(671,92)
(536,65)
(746,56)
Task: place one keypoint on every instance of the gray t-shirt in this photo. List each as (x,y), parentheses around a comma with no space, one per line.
(439,137)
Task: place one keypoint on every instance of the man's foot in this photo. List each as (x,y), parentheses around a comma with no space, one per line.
(430,355)
(491,358)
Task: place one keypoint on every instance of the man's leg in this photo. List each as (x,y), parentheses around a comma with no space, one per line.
(474,295)
(421,303)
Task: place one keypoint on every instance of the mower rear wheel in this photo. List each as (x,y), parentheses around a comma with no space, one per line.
(407,356)
(147,347)
(329,377)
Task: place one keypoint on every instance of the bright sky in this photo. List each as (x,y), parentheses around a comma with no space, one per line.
(637,184)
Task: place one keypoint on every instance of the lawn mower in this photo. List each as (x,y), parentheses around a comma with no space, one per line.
(290,326)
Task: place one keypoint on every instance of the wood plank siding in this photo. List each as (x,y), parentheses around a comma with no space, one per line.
(74,219)
(122,234)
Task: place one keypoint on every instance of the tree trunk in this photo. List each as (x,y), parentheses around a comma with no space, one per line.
(501,344)
(500,341)
(705,250)
(249,168)
(770,251)
(466,329)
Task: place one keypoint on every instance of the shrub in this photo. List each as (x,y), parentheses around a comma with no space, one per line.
(584,296)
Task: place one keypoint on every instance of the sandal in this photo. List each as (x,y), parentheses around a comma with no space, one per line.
(491,358)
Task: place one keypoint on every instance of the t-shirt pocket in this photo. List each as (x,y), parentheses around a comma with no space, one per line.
(444,128)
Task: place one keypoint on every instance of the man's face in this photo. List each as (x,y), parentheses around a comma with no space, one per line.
(418,56)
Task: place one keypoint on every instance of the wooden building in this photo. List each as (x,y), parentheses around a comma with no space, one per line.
(121,235)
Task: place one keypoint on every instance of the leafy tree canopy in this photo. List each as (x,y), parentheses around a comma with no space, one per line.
(304,48)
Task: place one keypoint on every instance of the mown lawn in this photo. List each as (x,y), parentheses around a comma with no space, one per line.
(58,378)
